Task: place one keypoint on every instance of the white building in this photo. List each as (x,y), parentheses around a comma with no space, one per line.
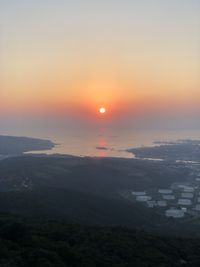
(184,209)
(187,195)
(184,201)
(161,203)
(151,203)
(197,207)
(188,189)
(175,213)
(168,197)
(143,198)
(165,191)
(138,193)
(180,186)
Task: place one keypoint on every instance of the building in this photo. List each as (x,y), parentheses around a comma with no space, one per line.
(143,198)
(188,189)
(184,209)
(138,193)
(151,204)
(187,195)
(161,203)
(175,213)
(168,197)
(184,201)
(197,207)
(179,186)
(165,191)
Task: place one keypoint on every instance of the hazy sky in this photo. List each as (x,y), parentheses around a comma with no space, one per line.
(70,57)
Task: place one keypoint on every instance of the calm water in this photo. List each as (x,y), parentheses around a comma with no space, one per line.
(85,142)
(82,140)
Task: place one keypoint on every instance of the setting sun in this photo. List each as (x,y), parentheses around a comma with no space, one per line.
(102,110)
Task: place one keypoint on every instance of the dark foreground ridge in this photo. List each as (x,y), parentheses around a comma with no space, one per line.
(43,243)
(93,191)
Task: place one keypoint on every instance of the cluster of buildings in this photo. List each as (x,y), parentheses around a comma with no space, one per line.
(179,200)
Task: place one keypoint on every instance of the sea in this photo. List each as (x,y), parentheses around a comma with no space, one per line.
(101,141)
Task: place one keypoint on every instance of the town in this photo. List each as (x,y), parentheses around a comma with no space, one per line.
(179,200)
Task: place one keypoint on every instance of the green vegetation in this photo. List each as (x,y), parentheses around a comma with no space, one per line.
(66,211)
(89,190)
(106,176)
(44,243)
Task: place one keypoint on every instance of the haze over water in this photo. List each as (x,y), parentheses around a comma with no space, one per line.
(100,141)
(137,59)
(92,143)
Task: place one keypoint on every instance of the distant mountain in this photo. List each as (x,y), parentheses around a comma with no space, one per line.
(11,145)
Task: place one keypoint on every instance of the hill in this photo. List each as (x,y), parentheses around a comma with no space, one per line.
(43,243)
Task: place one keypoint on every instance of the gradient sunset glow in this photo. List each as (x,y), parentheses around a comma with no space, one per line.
(69,57)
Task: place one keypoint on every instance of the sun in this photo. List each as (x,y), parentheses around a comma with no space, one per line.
(102,110)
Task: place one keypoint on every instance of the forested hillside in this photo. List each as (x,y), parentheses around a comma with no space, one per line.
(44,243)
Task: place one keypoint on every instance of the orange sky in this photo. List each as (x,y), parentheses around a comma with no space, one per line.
(73,58)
